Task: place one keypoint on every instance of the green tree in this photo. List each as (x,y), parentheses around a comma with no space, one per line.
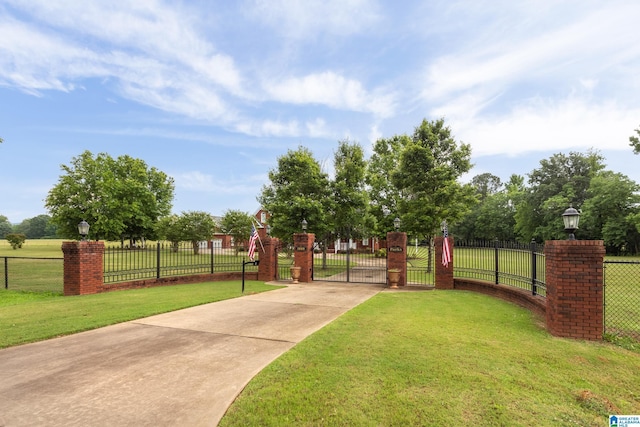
(5,226)
(383,195)
(120,198)
(350,199)
(610,212)
(298,190)
(37,227)
(561,180)
(196,226)
(427,179)
(634,142)
(238,225)
(16,240)
(170,228)
(494,216)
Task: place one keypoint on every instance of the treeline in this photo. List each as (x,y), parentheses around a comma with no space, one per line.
(531,208)
(38,227)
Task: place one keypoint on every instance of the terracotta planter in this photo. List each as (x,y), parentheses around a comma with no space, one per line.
(295,274)
(394,278)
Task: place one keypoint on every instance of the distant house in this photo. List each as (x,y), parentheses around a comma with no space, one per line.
(225,241)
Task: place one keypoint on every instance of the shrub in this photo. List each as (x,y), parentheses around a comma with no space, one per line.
(381,253)
(16,239)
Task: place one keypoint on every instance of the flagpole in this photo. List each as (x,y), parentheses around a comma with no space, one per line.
(255,222)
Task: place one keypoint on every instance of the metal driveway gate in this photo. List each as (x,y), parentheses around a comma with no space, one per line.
(349,262)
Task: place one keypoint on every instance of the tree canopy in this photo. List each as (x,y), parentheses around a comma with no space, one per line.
(238,225)
(427,179)
(120,198)
(5,226)
(298,190)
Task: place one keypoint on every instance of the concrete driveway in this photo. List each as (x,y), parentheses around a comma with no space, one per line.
(180,368)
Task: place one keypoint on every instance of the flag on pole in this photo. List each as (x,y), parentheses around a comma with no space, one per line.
(252,243)
(446,249)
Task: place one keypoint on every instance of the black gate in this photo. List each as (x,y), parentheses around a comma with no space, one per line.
(356,261)
(421,263)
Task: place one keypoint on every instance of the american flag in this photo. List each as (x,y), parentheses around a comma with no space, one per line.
(446,249)
(252,243)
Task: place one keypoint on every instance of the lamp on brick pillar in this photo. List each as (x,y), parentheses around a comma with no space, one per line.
(304,225)
(83,229)
(396,224)
(571,218)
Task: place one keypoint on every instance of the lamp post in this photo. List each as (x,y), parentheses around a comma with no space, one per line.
(83,229)
(571,218)
(304,225)
(396,224)
(268,230)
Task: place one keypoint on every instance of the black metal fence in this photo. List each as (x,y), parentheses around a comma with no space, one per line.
(509,263)
(32,274)
(622,298)
(168,260)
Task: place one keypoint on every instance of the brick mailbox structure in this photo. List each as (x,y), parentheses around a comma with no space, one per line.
(303,255)
(397,255)
(575,290)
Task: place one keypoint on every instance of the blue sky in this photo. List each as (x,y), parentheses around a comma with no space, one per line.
(213,92)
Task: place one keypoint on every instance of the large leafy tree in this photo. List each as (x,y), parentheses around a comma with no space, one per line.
(427,179)
(561,180)
(298,190)
(238,225)
(350,199)
(196,226)
(120,198)
(611,210)
(383,195)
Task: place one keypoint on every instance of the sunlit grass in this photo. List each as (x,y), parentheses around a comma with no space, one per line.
(440,358)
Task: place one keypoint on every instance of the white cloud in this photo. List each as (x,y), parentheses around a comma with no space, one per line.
(572,123)
(330,89)
(306,19)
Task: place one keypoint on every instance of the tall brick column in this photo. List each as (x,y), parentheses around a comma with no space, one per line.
(397,255)
(83,268)
(303,254)
(444,275)
(575,293)
(268,267)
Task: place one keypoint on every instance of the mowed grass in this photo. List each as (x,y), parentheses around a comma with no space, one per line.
(29,316)
(441,358)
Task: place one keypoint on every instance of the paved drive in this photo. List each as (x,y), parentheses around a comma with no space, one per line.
(180,368)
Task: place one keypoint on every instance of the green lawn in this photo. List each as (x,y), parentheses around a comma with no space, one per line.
(441,358)
(28,316)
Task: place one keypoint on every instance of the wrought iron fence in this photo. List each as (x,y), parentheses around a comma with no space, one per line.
(163,259)
(509,263)
(32,274)
(622,298)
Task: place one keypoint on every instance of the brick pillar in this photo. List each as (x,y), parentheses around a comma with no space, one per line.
(444,275)
(83,268)
(575,294)
(303,254)
(268,267)
(397,255)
